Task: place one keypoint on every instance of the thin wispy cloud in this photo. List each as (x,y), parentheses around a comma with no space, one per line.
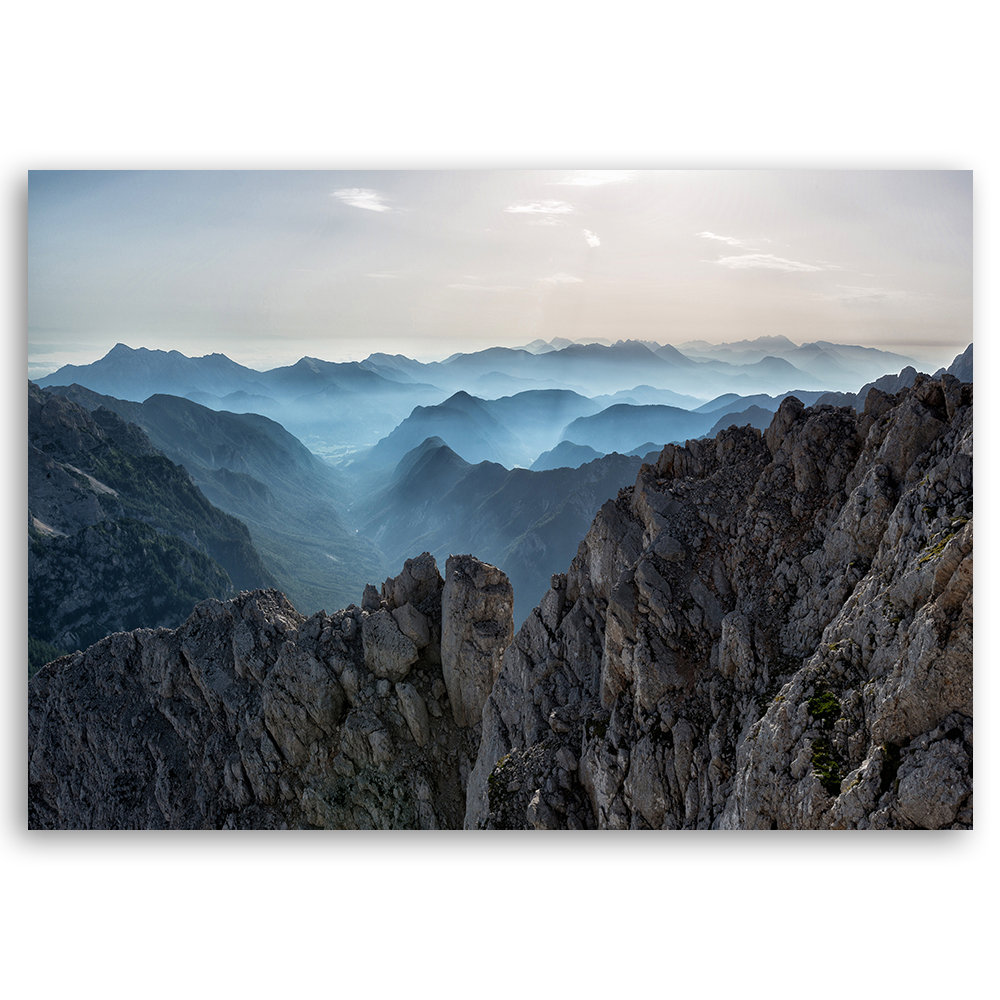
(593,240)
(362,198)
(562,278)
(729,240)
(380,274)
(548,207)
(769,262)
(596,178)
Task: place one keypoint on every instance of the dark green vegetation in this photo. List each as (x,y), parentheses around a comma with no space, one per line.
(114,576)
(826,709)
(826,767)
(890,766)
(40,653)
(940,540)
(824,706)
(119,536)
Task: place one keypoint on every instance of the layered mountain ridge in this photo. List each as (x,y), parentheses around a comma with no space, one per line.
(767,630)
(252,468)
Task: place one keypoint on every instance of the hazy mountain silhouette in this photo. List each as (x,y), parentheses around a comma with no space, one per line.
(620,427)
(755,416)
(251,467)
(961,367)
(566,454)
(525,522)
(511,431)
(324,403)
(834,365)
(732,403)
(641,395)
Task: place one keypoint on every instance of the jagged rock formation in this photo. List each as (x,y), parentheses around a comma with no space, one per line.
(250,715)
(768,630)
(477,626)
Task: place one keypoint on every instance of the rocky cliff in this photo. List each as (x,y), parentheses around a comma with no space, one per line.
(768,630)
(252,716)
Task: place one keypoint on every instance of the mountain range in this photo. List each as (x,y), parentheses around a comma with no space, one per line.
(251,467)
(764,631)
(340,408)
(448,476)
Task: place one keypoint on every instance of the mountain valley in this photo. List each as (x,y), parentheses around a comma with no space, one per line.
(679,590)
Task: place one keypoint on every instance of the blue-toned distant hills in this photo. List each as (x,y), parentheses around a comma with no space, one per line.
(341,471)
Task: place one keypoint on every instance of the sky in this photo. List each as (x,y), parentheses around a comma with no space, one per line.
(268,267)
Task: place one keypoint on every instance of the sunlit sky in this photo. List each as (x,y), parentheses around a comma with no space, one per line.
(269,266)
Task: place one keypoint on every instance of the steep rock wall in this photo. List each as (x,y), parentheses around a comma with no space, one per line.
(769,630)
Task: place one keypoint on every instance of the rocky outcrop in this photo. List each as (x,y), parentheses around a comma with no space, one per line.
(768,631)
(250,715)
(477,614)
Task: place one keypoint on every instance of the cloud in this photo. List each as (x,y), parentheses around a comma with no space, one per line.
(549,207)
(768,261)
(593,240)
(562,278)
(362,198)
(380,274)
(596,178)
(731,240)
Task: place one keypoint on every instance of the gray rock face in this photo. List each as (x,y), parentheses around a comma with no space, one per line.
(389,653)
(767,631)
(250,715)
(477,620)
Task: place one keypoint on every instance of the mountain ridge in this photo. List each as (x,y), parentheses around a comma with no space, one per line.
(765,631)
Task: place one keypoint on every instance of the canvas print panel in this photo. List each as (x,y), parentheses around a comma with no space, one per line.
(562,499)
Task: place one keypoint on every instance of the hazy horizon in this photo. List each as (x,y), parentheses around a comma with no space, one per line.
(42,369)
(268,267)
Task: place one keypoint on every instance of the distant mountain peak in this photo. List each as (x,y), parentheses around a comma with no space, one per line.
(463,398)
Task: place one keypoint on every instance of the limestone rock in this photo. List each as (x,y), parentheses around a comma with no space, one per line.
(477,625)
(389,653)
(769,630)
